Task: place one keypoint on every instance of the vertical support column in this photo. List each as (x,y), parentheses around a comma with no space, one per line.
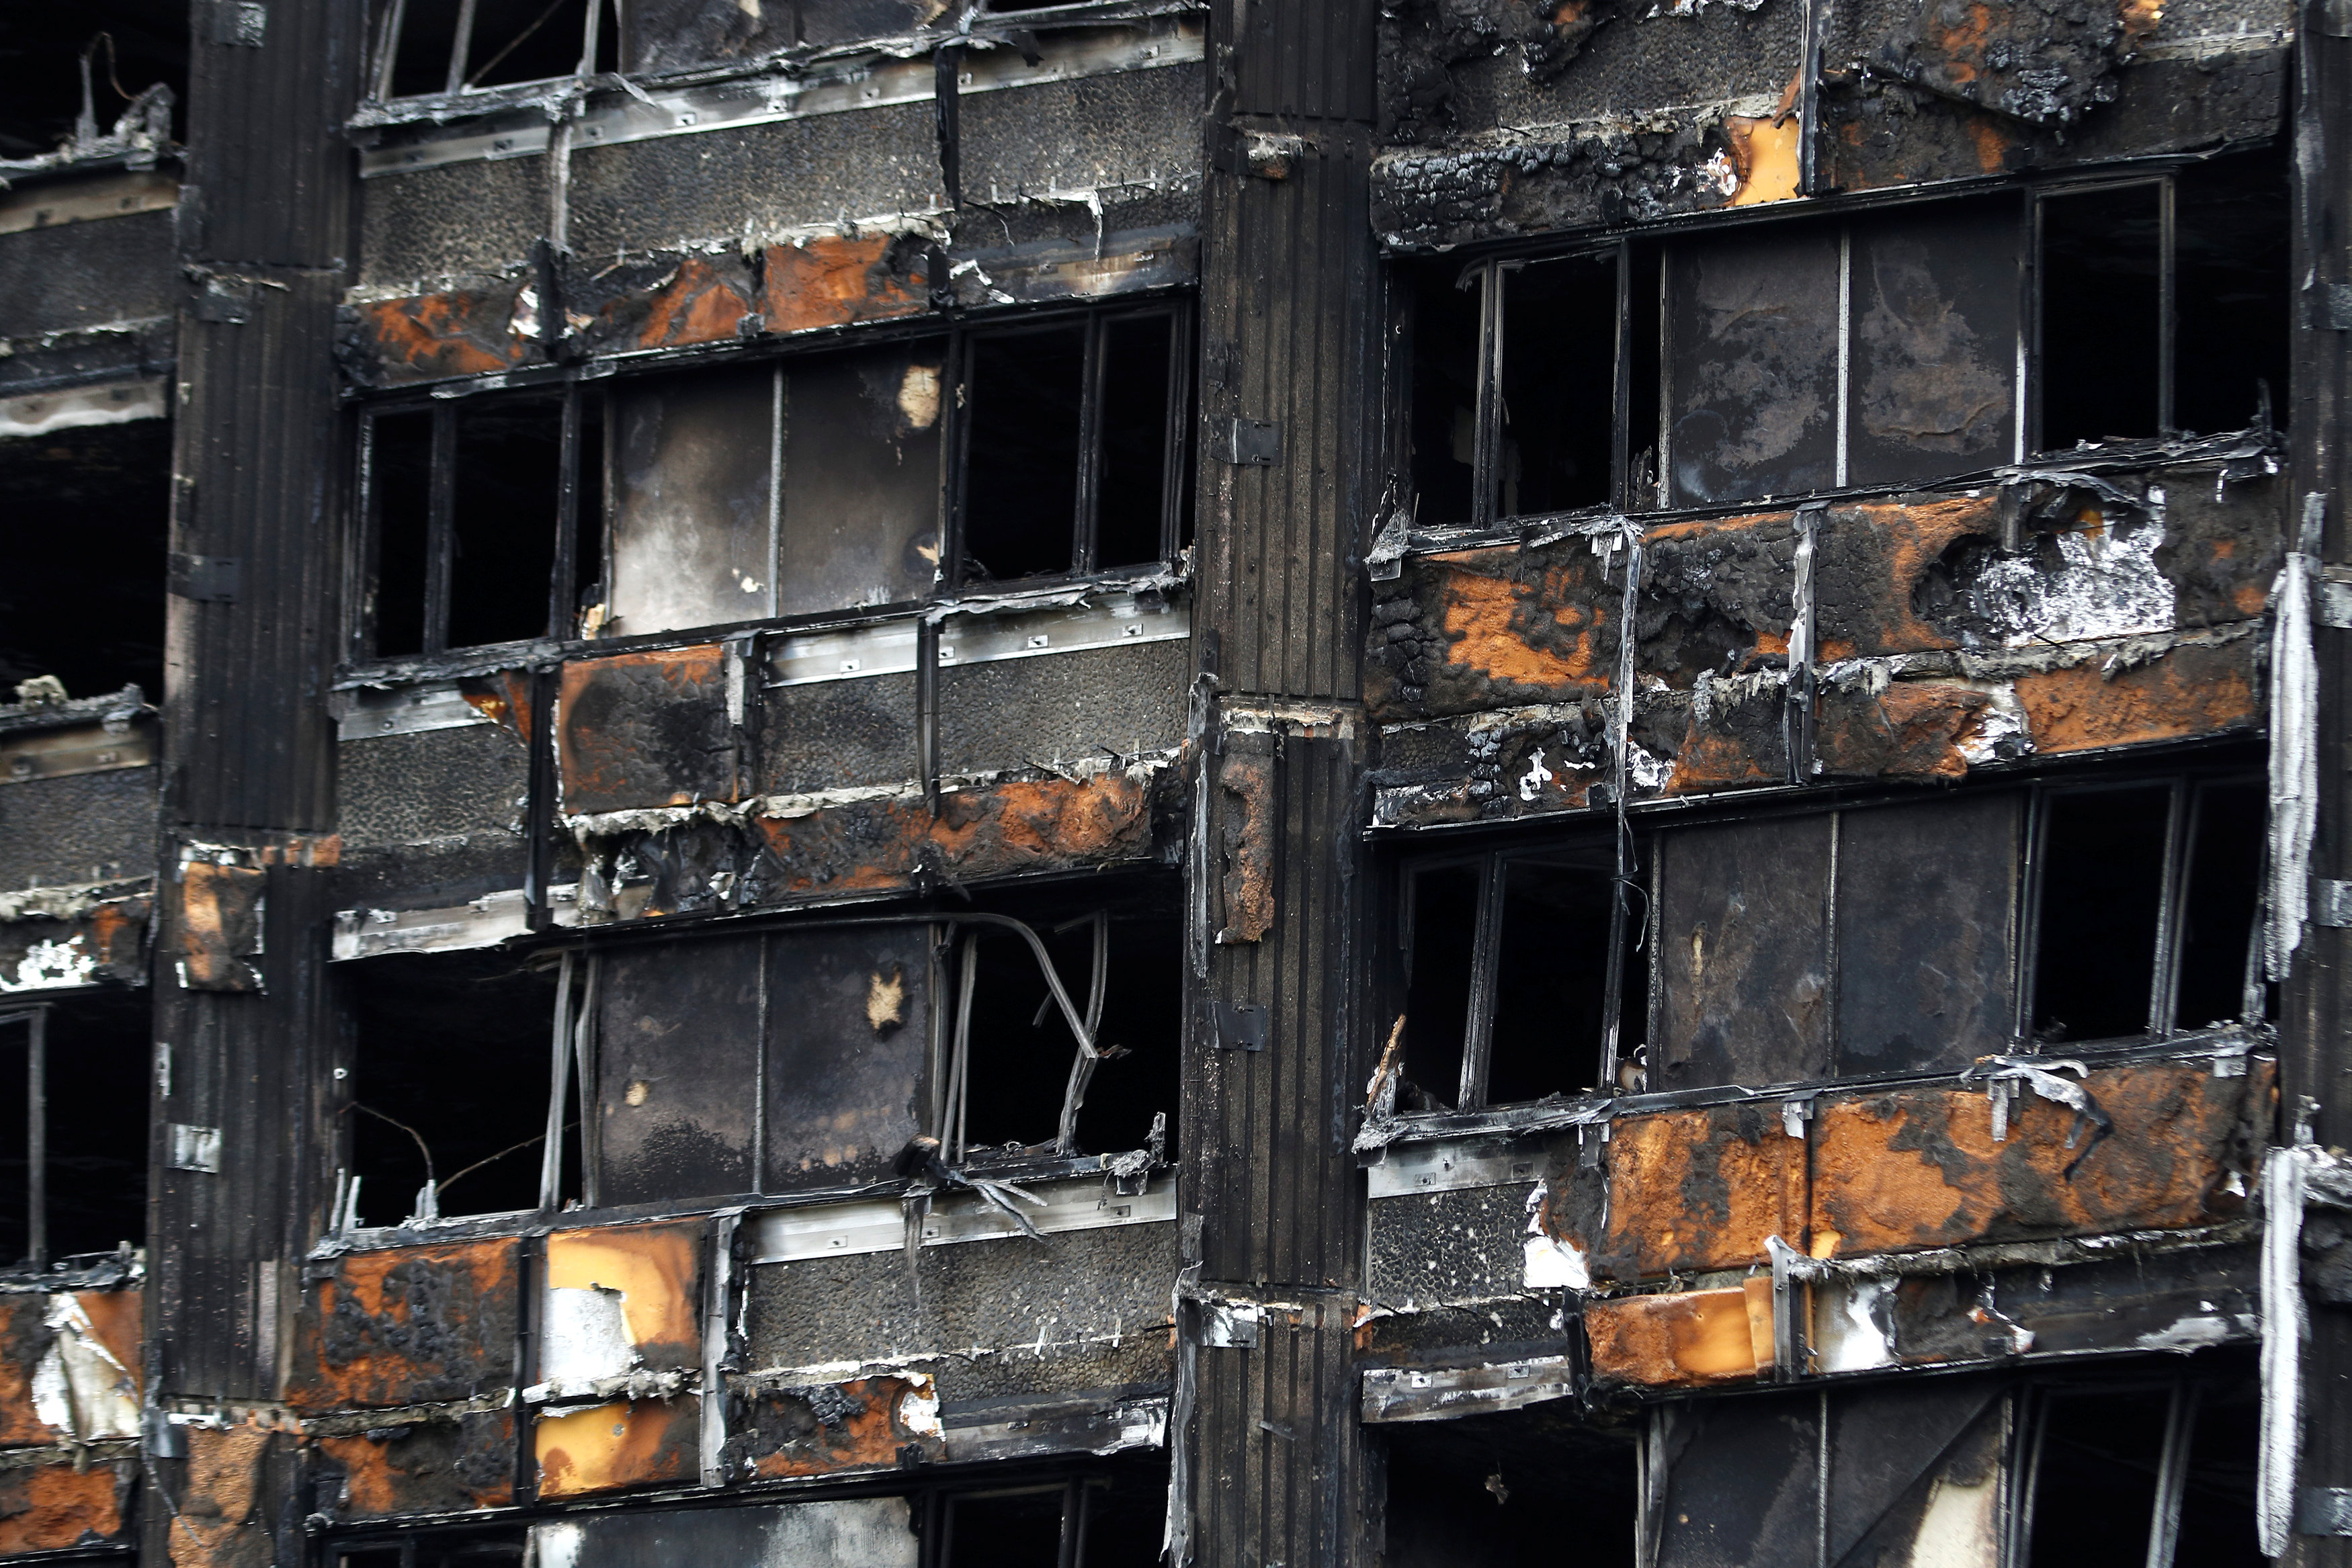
(2316,1065)
(264,228)
(1275,1458)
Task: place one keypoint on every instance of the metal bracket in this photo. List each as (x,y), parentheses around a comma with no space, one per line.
(1253,444)
(1240,1027)
(195,1148)
(2323,1510)
(206,578)
(2331,902)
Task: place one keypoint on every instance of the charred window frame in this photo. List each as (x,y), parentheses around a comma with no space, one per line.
(1080,464)
(2129,891)
(2149,1474)
(1523,973)
(423,47)
(419,506)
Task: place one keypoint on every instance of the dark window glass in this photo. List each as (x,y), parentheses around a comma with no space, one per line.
(1136,354)
(2101,295)
(1443,926)
(1560,385)
(525,41)
(400,465)
(1445,431)
(2095,1480)
(2231,268)
(1752,374)
(1934,324)
(503,512)
(420,60)
(98,1058)
(2218,905)
(2102,878)
(1020,463)
(1006,1530)
(861,512)
(1551,982)
(2216,1490)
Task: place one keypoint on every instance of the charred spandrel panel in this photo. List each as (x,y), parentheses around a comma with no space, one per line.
(1080,1310)
(870,1423)
(611,1447)
(406,789)
(831,735)
(79,827)
(828,280)
(49,1508)
(475,325)
(642,196)
(693,526)
(459,218)
(855,1533)
(641,730)
(1037,713)
(849,1038)
(1926,901)
(443,1465)
(1743,987)
(1677,1192)
(75,939)
(68,1368)
(1484,629)
(619,1300)
(678,1039)
(408,1325)
(1123,129)
(2168,1149)
(56,278)
(664,301)
(1511,763)
(1717,597)
(1752,323)
(1469,1245)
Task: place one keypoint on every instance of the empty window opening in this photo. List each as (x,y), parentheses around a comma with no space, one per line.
(1070,431)
(2146,1477)
(449,1083)
(436,1549)
(1491,1492)
(73,1127)
(2102,875)
(483,514)
(2219,976)
(1120,967)
(89,517)
(2102,315)
(1445,318)
(452,45)
(1558,394)
(131,46)
(1109,1520)
(2232,263)
(1526,976)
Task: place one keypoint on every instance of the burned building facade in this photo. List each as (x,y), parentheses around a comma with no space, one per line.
(942,785)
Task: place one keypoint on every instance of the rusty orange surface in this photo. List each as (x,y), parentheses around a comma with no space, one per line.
(1693,1190)
(117,1318)
(25,1337)
(432,1467)
(1872,556)
(47,1507)
(698,303)
(219,915)
(409,1325)
(2189,691)
(1023,825)
(619,1445)
(1913,729)
(1683,1339)
(219,1523)
(1764,153)
(1248,842)
(618,737)
(503,699)
(860,1425)
(424,336)
(834,279)
(658,1270)
(1918,1168)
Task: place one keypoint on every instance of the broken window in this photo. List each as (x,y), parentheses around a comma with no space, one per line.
(123,49)
(455,46)
(73,1127)
(1788,359)
(481,514)
(90,618)
(438,1548)
(1072,435)
(2144,903)
(1524,974)
(2141,1475)
(1490,1491)
(2162,304)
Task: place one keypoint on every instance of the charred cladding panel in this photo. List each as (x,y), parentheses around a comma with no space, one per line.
(1744,964)
(677,1048)
(1752,323)
(429,226)
(849,1041)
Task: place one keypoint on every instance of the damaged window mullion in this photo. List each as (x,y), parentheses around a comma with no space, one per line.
(1090,448)
(440,531)
(36,1032)
(1486,477)
(1478,1027)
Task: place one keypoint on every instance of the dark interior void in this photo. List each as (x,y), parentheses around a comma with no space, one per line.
(1022,1047)
(511,41)
(502,519)
(40,65)
(861,477)
(96,1055)
(1551,975)
(1025,395)
(2232,275)
(2098,1454)
(1444,433)
(400,480)
(1509,1491)
(1643,325)
(1112,1519)
(1560,385)
(2100,275)
(438,1548)
(2101,879)
(1439,933)
(89,525)
(2219,904)
(1138,364)
(449,1051)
